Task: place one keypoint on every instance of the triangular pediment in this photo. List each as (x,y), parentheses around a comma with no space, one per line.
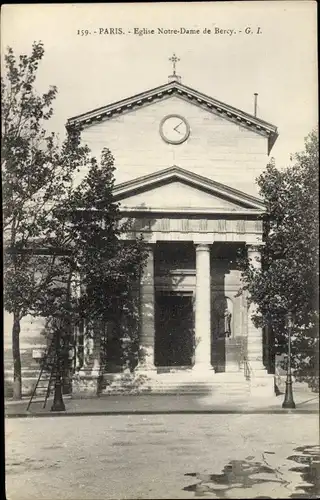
(178,190)
(179,90)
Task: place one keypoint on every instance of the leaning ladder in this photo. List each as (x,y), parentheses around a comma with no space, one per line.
(48,382)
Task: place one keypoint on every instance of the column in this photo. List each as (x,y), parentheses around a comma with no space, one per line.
(261,383)
(255,339)
(78,334)
(85,380)
(147,320)
(203,309)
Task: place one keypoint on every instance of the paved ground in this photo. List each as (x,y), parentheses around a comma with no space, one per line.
(306,401)
(162,456)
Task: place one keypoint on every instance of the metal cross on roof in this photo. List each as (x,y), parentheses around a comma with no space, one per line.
(174,59)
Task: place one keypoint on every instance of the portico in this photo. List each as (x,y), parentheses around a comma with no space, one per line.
(192,301)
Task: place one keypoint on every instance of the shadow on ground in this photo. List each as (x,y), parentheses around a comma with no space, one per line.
(248,473)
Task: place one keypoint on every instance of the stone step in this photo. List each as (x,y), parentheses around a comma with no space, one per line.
(179,378)
(169,384)
(173,390)
(181,383)
(178,387)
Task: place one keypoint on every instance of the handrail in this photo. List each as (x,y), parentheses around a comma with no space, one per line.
(247,368)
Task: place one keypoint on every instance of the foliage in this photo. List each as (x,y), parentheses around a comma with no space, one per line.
(288,280)
(110,266)
(55,231)
(36,179)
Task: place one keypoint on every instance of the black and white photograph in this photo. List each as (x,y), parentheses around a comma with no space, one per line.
(160,250)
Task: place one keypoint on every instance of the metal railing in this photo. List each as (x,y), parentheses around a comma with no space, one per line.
(247,368)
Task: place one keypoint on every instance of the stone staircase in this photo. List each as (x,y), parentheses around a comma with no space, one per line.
(177,381)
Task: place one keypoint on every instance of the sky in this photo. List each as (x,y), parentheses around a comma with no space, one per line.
(279,62)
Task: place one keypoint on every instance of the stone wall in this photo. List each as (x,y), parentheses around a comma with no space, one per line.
(32,344)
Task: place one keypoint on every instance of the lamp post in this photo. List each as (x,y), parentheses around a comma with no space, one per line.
(288,398)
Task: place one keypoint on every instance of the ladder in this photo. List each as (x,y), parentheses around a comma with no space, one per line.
(48,382)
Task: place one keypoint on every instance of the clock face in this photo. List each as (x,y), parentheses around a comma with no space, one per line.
(174,129)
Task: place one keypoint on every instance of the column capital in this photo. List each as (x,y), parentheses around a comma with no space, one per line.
(255,247)
(254,255)
(203,239)
(202,246)
(149,246)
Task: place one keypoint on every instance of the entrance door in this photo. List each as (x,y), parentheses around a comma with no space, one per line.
(174,330)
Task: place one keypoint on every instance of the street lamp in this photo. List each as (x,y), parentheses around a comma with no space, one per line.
(288,398)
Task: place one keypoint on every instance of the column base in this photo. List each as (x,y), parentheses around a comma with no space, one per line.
(146,360)
(85,385)
(145,369)
(232,368)
(202,370)
(262,385)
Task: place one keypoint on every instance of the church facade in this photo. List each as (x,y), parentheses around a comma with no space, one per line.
(186,166)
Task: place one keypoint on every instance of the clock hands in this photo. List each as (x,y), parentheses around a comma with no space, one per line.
(176,128)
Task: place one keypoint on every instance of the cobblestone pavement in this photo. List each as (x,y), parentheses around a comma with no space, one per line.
(162,456)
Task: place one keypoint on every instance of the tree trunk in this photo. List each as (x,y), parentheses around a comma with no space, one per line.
(58,404)
(17,381)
